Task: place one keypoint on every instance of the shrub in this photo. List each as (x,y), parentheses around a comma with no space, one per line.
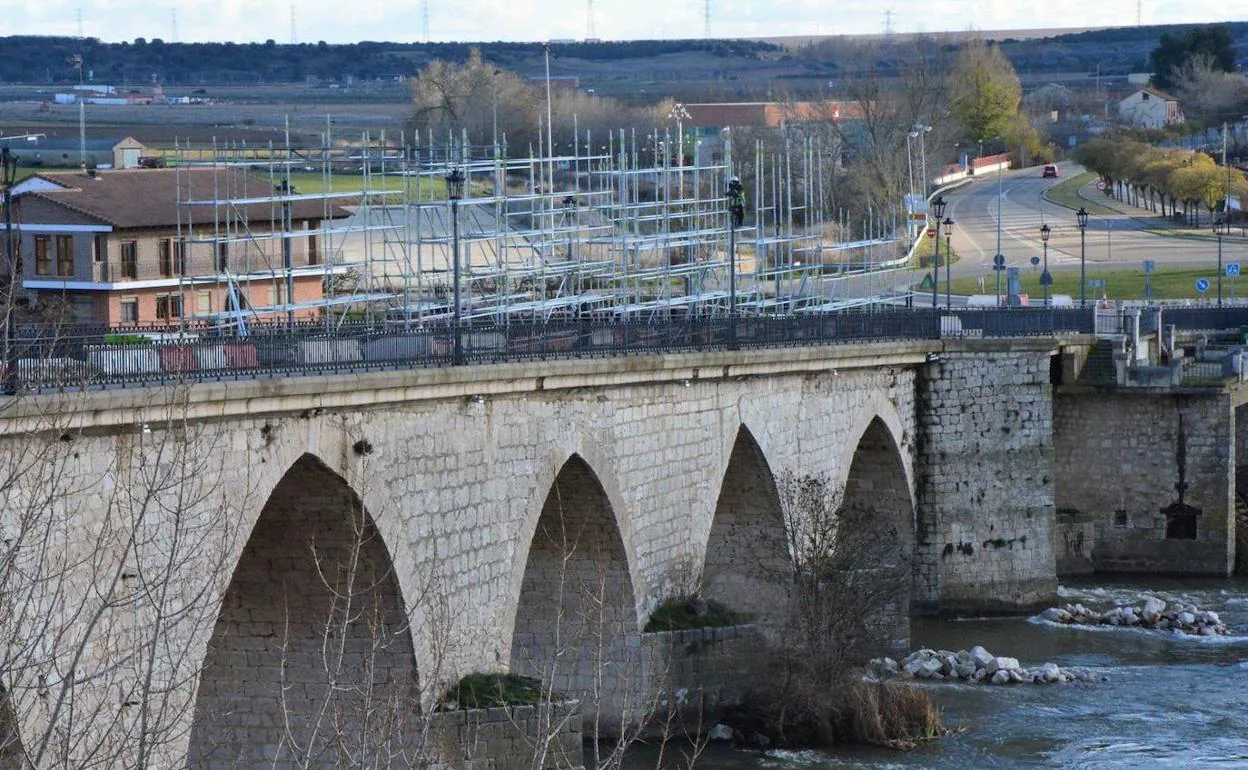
(689,612)
(478,691)
(127,339)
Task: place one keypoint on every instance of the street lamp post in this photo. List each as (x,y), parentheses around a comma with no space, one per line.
(12,271)
(455,192)
(1082,217)
(1045,232)
(938,208)
(948,262)
(1217,230)
(736,217)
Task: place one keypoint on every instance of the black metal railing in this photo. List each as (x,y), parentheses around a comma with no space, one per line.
(101,357)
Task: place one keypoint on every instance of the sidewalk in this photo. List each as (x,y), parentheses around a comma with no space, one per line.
(1154,221)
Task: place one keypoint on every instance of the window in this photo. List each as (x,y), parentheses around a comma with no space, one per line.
(276,290)
(223,257)
(129,260)
(99,251)
(183,253)
(203,302)
(43,255)
(168,306)
(64,255)
(168,265)
(1145,96)
(129,310)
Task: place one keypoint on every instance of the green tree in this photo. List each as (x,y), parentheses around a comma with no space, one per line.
(985,92)
(1212,44)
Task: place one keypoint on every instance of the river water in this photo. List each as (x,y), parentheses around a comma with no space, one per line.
(1165,701)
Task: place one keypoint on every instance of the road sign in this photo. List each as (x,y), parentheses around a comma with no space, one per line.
(1096,283)
(931,232)
(998,260)
(1035,261)
(1100,185)
(1149,266)
(1202,285)
(1232,270)
(1046,278)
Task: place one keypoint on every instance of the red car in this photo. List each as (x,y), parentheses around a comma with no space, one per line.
(1049,171)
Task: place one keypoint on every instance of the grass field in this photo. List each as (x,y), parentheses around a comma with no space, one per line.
(1066,193)
(1120,284)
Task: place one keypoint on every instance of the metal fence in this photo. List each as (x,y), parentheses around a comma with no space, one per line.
(45,358)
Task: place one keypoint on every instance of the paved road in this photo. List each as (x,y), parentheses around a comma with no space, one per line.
(1118,241)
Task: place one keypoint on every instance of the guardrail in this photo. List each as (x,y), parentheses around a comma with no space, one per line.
(46,358)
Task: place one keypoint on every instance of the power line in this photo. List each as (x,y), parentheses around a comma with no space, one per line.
(888,21)
(293,37)
(590,31)
(424,18)
(706,19)
(173,25)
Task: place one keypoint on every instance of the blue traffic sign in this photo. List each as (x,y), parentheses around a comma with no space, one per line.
(1232,270)
(998,260)
(1202,285)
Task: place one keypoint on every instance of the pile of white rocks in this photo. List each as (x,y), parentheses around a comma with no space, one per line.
(977,665)
(1153,614)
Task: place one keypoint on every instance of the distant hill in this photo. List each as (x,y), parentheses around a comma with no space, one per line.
(46,60)
(642,70)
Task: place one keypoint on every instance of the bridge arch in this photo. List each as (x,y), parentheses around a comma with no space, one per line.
(576,593)
(311,655)
(875,522)
(747,561)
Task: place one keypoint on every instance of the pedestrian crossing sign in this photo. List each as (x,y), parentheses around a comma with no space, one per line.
(928,282)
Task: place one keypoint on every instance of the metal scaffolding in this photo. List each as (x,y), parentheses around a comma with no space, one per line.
(624,226)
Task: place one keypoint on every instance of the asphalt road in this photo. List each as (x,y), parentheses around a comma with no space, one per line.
(1113,242)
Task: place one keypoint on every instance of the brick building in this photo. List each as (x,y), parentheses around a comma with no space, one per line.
(154,246)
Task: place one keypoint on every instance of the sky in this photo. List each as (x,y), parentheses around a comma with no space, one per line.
(335,21)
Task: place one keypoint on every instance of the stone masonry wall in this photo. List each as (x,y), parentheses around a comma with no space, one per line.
(698,672)
(542,737)
(986,489)
(1121,457)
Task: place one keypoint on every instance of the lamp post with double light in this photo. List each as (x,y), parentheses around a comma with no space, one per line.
(1081,216)
(1217,230)
(12,270)
(455,193)
(948,223)
(938,209)
(1045,232)
(736,217)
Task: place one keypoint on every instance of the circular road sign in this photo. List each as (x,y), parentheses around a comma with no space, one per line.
(931,232)
(1202,285)
(998,260)
(1100,185)
(1035,261)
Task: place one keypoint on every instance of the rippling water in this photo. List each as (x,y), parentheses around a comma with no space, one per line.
(1166,701)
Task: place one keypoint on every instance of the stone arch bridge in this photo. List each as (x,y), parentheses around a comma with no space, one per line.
(219,573)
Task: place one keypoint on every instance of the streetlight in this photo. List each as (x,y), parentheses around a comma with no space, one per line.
(455,192)
(948,261)
(12,270)
(1082,216)
(1217,230)
(938,208)
(1045,232)
(736,217)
